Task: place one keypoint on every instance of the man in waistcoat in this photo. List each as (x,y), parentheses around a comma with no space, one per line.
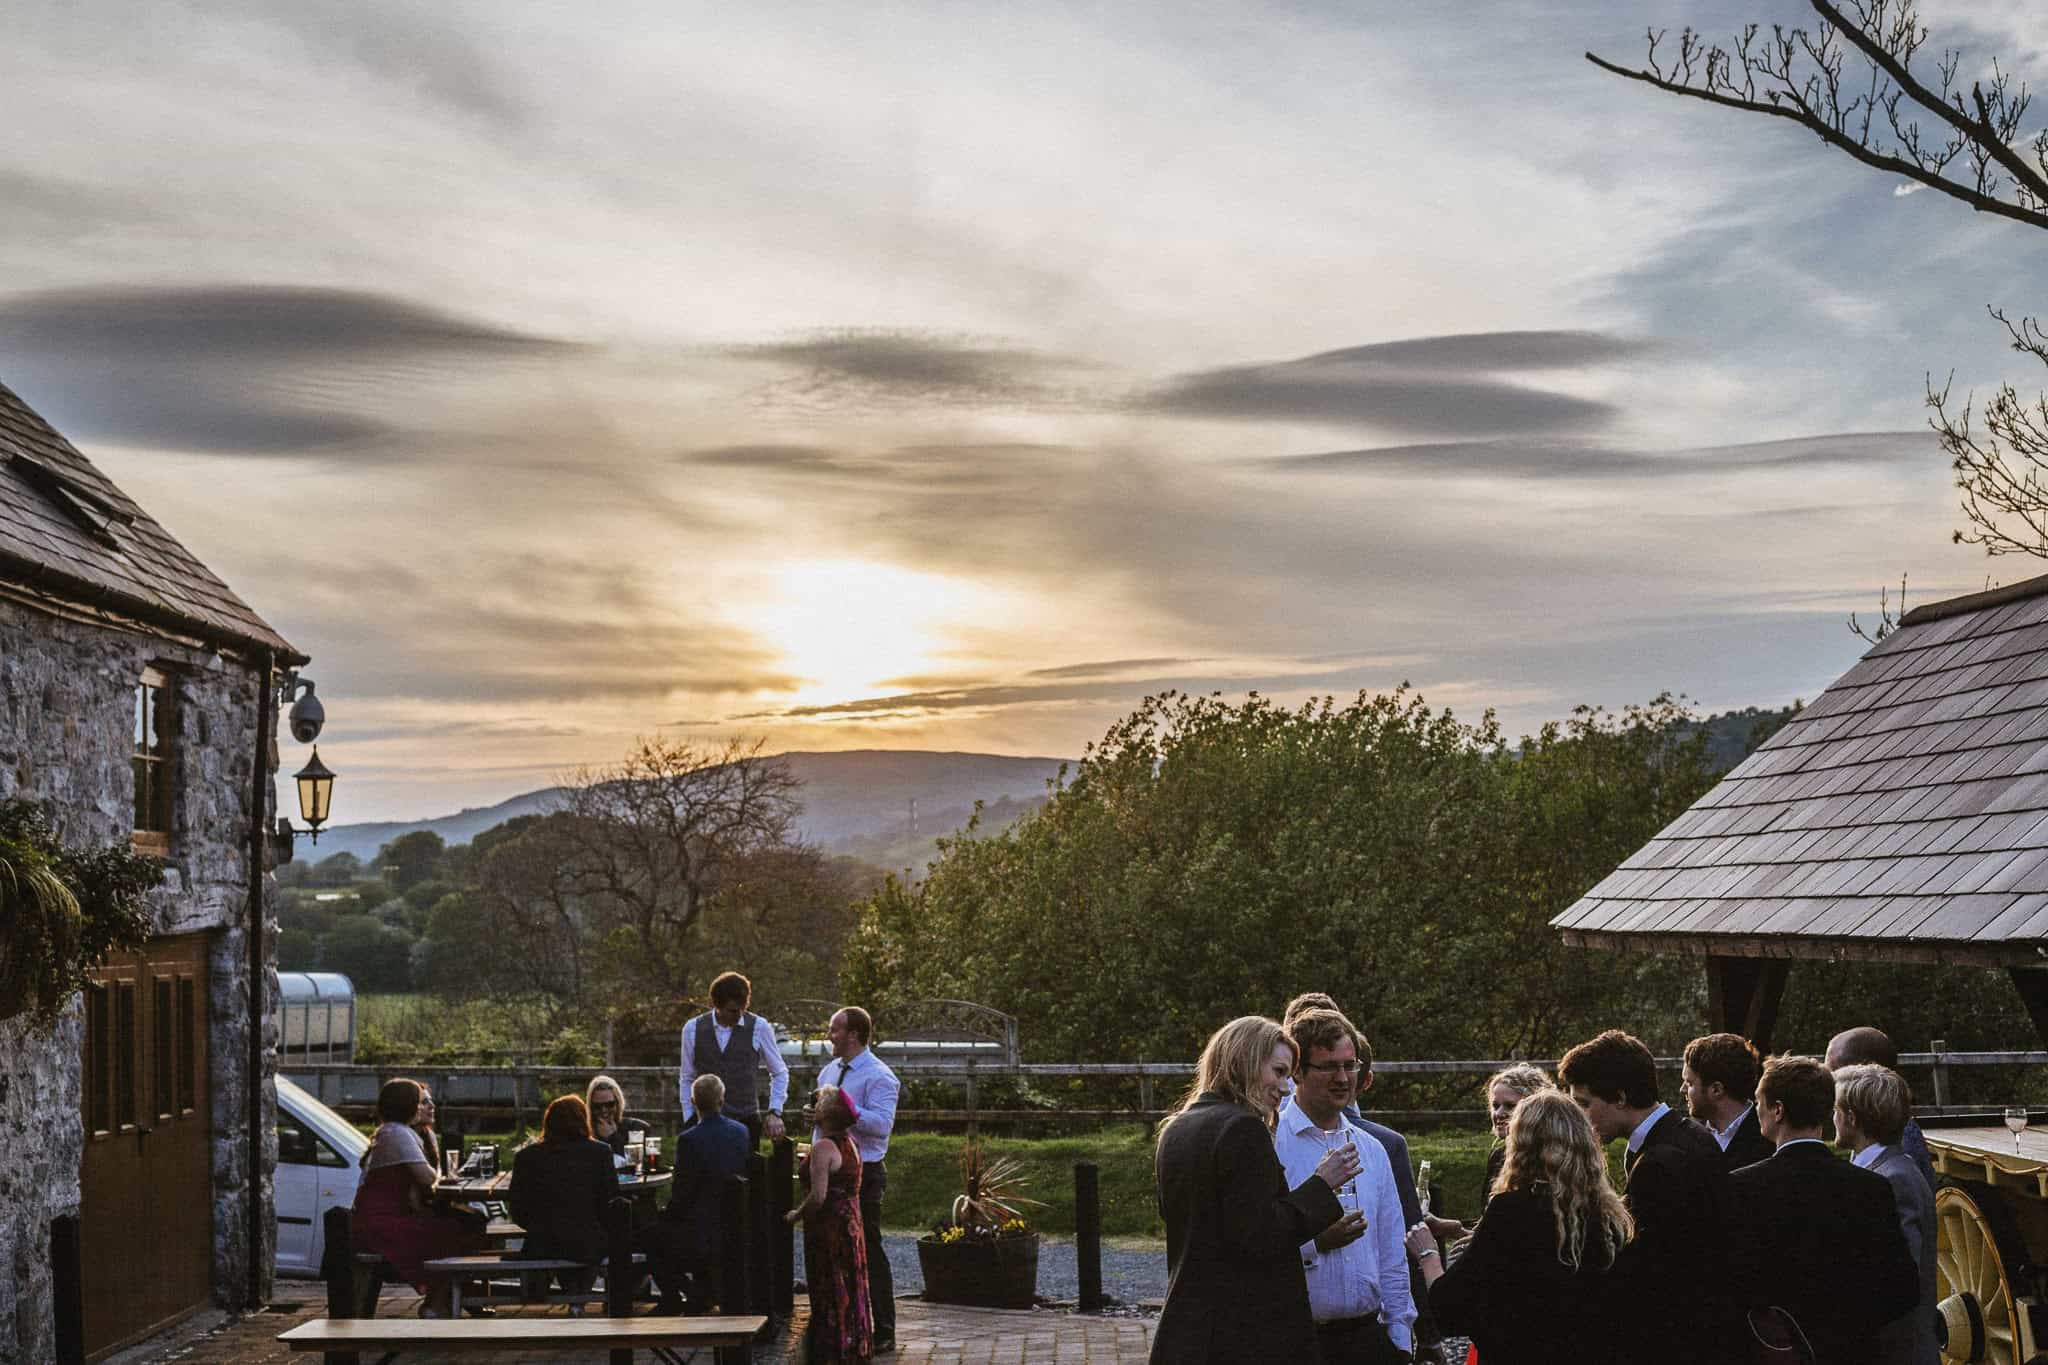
(729,1042)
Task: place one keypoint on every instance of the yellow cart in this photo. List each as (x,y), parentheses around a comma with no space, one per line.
(1991,1215)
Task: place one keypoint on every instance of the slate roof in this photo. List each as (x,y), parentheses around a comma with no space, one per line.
(68,533)
(1903,814)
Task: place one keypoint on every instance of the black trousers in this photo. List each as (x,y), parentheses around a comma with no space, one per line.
(874,1182)
(1358,1341)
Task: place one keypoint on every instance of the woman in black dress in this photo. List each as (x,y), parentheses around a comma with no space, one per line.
(1529,1289)
(1235,1290)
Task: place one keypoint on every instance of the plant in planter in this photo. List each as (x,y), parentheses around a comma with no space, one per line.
(62,911)
(986,1254)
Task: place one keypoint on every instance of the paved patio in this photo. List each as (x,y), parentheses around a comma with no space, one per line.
(934,1333)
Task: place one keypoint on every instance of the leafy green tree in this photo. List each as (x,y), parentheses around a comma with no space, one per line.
(374,956)
(338,870)
(411,859)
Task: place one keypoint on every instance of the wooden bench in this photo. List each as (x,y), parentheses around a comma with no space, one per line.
(460,1270)
(731,1337)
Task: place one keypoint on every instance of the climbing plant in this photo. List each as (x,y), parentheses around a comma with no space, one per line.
(62,911)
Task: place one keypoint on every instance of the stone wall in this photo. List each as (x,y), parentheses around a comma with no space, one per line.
(66,735)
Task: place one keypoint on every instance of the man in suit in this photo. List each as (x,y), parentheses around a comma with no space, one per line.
(1873,1047)
(687,1237)
(1720,1088)
(863,1078)
(1670,1278)
(1871,1103)
(1814,1236)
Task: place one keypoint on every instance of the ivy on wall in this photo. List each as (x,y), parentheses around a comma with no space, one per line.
(62,911)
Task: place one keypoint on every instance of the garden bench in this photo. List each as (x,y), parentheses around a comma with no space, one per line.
(460,1270)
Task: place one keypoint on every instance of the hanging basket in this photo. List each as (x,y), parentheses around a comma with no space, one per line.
(981,1272)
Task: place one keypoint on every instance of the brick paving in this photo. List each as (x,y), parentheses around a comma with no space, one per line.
(926,1334)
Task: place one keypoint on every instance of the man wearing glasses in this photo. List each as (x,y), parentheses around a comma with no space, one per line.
(733,1045)
(1357,1268)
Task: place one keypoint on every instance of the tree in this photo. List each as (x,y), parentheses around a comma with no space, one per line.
(654,840)
(1968,145)
(372,955)
(411,859)
(341,869)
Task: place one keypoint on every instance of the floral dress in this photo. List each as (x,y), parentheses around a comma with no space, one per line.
(836,1268)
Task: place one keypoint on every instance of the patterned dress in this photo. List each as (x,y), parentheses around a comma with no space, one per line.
(836,1268)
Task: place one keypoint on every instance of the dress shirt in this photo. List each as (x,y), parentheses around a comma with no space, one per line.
(1869,1156)
(1635,1139)
(872,1087)
(764,1048)
(1368,1278)
(1724,1136)
(1794,1142)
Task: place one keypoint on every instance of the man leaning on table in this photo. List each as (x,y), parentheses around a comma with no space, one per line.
(729,1042)
(862,1078)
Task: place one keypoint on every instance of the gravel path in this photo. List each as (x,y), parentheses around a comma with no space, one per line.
(1132,1270)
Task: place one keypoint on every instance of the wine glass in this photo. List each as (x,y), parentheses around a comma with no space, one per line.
(2016,1123)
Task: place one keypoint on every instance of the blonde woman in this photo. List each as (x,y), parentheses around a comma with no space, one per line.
(1529,1288)
(1235,1288)
(606,1100)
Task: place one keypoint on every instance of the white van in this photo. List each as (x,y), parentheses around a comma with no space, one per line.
(319,1155)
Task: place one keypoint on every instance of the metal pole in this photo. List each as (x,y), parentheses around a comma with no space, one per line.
(1088,1233)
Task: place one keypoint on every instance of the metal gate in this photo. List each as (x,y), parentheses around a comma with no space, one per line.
(145,1184)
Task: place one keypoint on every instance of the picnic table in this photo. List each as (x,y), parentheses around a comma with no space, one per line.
(472,1189)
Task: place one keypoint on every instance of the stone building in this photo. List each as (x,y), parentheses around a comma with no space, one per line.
(137,703)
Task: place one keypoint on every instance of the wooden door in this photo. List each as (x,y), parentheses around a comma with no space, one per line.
(145,1184)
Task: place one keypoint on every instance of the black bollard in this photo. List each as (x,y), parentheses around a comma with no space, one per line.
(1088,1233)
(735,1251)
(781,1182)
(761,1255)
(619,1277)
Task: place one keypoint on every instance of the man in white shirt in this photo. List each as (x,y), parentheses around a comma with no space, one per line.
(734,1045)
(1357,1268)
(873,1088)
(1719,1083)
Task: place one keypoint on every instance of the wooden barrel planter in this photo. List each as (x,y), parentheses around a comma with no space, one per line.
(998,1272)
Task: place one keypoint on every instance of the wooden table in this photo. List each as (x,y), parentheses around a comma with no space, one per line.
(1988,1154)
(497,1188)
(511,1334)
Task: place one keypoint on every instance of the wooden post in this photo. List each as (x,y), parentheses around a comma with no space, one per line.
(338,1268)
(760,1256)
(1743,994)
(781,1186)
(1937,1047)
(1144,1089)
(1088,1233)
(2032,984)
(972,1126)
(734,1252)
(67,1290)
(619,1278)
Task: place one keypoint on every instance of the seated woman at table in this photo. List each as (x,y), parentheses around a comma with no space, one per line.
(391,1217)
(608,1121)
(560,1189)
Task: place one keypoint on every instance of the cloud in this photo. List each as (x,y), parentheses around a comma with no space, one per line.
(244,369)
(1580,460)
(869,367)
(1430,386)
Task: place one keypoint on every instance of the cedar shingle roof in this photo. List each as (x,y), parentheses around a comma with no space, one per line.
(1905,809)
(66,531)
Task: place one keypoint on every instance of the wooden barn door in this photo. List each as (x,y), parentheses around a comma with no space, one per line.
(145,1184)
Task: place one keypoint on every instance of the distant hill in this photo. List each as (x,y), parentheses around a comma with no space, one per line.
(857,802)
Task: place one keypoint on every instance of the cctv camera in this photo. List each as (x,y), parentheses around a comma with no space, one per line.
(307,715)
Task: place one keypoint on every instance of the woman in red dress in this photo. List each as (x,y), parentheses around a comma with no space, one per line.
(835,1256)
(390,1215)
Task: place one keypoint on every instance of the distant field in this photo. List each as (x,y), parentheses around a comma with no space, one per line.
(411,1029)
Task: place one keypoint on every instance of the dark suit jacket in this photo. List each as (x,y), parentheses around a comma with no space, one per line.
(1670,1279)
(559,1194)
(1748,1146)
(1511,1294)
(706,1153)
(1911,1340)
(1234,1285)
(1814,1235)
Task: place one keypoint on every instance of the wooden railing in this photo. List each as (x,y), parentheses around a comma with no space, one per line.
(468,1095)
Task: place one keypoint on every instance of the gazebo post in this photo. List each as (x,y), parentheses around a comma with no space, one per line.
(1743,994)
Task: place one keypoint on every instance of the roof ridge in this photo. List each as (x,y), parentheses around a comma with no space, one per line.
(1976,601)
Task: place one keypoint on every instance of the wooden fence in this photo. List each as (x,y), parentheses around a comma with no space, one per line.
(470,1097)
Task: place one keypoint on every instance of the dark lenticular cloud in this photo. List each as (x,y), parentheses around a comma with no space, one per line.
(235,369)
(1424,386)
(862,367)
(1581,460)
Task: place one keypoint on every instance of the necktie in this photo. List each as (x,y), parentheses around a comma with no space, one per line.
(840,1079)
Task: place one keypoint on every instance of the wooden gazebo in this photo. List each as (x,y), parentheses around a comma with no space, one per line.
(1902,817)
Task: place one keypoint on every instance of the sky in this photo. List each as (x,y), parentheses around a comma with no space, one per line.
(953,377)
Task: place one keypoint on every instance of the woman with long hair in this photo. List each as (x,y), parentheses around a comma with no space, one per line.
(842,1329)
(1235,1288)
(1528,1288)
(561,1187)
(390,1216)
